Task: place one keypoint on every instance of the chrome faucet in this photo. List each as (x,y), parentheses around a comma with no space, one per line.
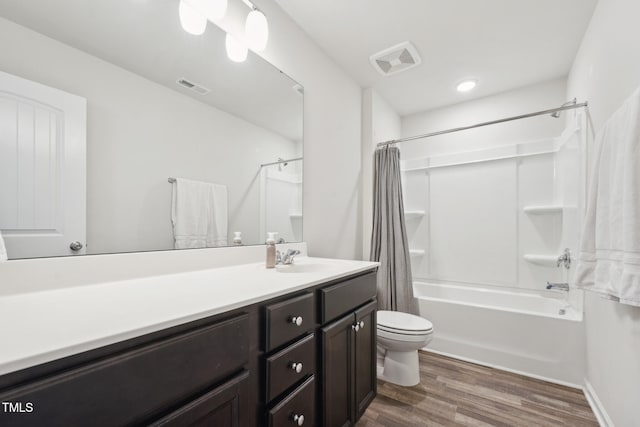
(558,286)
(287,257)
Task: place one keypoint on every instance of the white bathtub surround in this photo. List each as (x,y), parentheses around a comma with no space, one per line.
(42,326)
(609,261)
(518,331)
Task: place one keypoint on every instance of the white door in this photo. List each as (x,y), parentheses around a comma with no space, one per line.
(42,169)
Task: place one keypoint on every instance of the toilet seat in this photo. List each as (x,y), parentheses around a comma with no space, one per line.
(398,323)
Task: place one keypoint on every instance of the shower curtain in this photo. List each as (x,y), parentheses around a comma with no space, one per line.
(389,244)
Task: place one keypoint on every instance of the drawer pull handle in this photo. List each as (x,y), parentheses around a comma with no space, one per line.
(296,320)
(355,326)
(297,367)
(298,419)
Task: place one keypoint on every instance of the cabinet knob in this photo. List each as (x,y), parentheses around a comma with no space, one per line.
(355,326)
(296,320)
(297,367)
(298,419)
(361,324)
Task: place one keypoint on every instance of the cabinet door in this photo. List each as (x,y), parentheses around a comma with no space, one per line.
(337,372)
(365,358)
(224,406)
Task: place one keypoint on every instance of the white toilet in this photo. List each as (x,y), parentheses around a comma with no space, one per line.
(400,335)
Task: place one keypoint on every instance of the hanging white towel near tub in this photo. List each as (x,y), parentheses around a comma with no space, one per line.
(609,261)
(198,214)
(3,249)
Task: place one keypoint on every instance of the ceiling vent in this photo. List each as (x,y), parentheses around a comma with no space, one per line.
(395,59)
(193,86)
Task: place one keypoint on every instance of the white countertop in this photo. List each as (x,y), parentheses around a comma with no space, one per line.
(39,327)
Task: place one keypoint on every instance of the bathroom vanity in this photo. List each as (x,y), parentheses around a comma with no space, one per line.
(291,346)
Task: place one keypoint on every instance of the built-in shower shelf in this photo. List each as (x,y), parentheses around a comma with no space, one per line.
(413,214)
(416,252)
(545,260)
(543,209)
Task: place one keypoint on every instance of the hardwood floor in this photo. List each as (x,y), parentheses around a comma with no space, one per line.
(457,393)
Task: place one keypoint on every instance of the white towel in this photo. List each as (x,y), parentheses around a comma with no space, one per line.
(3,249)
(609,260)
(199,214)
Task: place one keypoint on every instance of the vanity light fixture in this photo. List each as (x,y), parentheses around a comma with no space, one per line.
(192,20)
(195,13)
(256,30)
(466,85)
(236,50)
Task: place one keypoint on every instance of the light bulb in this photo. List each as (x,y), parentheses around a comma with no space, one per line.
(236,50)
(193,22)
(256,30)
(213,9)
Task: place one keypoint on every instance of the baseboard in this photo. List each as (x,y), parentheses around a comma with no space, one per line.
(596,405)
(503,368)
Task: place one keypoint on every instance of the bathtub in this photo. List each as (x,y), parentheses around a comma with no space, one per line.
(523,332)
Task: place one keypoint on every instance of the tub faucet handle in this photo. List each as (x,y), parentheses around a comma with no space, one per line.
(565,259)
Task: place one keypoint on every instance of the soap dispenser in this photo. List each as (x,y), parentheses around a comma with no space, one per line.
(271,250)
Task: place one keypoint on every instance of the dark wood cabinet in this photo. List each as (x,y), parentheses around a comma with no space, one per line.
(224,406)
(337,370)
(349,366)
(308,357)
(130,387)
(365,355)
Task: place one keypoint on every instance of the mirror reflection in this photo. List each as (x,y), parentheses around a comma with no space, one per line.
(121,132)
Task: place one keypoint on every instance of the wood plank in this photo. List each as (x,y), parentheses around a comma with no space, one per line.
(457,393)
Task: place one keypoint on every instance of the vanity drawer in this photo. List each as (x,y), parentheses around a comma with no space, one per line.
(343,297)
(287,320)
(281,372)
(300,403)
(130,387)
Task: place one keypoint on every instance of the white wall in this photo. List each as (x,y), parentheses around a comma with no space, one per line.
(139,134)
(605,72)
(379,123)
(524,100)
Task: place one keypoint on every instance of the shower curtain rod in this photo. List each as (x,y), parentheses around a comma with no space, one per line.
(493,122)
(281,161)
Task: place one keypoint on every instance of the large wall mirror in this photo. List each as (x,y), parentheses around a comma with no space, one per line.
(104,102)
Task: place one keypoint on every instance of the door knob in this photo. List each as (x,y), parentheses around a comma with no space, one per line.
(75,246)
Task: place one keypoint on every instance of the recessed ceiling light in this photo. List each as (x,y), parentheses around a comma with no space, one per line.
(467,85)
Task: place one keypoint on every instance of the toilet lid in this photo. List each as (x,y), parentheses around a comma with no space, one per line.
(404,323)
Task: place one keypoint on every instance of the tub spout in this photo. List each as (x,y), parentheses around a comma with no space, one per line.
(558,286)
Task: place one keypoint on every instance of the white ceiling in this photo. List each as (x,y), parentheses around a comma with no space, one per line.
(145,37)
(503,43)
